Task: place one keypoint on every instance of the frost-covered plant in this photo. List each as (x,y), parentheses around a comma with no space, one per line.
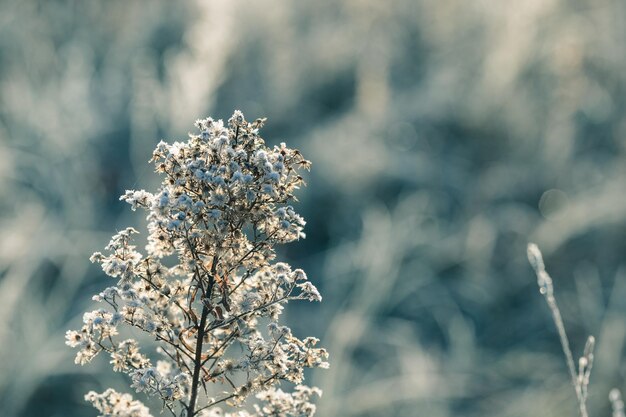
(207,289)
(580,376)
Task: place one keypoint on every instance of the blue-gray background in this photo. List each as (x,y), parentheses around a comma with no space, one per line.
(444,135)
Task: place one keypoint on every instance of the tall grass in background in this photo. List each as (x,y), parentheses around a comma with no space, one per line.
(445,135)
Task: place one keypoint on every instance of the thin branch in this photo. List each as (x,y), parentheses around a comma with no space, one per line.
(547,290)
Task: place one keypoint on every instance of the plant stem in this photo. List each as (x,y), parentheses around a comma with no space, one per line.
(197,363)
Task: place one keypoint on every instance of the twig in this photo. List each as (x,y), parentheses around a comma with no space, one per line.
(580,380)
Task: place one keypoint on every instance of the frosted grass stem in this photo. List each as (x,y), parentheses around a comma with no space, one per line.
(580,380)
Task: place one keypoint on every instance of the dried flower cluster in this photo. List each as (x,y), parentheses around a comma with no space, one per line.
(207,289)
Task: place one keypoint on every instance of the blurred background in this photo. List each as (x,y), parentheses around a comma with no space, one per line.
(444,135)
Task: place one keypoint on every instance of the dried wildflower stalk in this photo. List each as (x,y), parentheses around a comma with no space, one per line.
(214,310)
(580,377)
